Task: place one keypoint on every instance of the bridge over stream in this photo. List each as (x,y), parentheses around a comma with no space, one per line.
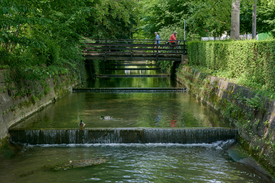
(134,50)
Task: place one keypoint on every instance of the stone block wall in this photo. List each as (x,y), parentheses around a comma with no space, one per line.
(14,108)
(252,114)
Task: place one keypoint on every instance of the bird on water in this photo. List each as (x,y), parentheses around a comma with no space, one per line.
(106,117)
(81,124)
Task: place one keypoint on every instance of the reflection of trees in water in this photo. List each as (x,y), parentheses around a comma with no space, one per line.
(158,117)
(140,109)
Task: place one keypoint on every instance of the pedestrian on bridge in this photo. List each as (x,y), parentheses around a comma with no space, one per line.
(157,40)
(173,40)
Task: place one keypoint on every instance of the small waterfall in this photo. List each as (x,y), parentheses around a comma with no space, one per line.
(122,135)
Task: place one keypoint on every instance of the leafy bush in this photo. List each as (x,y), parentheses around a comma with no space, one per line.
(249,61)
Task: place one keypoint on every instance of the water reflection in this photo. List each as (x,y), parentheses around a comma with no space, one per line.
(170,109)
(130,163)
(141,82)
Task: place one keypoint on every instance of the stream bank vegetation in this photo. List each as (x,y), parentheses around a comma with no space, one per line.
(246,63)
(250,112)
(44,39)
(41,46)
(237,80)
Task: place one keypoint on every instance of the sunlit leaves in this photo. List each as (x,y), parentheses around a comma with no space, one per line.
(112,19)
(41,36)
(250,63)
(199,16)
(266,19)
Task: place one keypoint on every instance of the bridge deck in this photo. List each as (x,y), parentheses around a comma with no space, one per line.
(141,68)
(115,89)
(130,75)
(133,64)
(134,50)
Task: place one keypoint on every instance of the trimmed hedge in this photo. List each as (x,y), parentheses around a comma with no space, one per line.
(254,59)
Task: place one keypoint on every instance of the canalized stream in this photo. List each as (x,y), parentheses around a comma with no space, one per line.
(153,136)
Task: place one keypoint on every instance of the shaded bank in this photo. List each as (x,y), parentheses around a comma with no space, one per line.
(14,107)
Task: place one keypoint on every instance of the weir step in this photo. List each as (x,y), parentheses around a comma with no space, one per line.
(130,75)
(122,135)
(126,64)
(133,68)
(127,89)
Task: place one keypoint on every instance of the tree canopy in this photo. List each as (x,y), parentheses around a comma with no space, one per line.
(43,37)
(203,17)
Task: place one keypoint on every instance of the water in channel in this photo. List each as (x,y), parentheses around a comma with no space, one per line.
(149,162)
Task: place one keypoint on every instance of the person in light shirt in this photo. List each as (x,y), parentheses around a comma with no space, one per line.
(157,40)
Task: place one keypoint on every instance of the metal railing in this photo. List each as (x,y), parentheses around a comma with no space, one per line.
(135,47)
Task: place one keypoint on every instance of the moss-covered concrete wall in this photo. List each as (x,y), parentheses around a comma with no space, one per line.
(252,114)
(16,105)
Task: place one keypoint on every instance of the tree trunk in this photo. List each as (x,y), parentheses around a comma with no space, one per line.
(235,20)
(254,15)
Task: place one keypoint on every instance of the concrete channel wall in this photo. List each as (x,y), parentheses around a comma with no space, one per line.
(14,108)
(253,115)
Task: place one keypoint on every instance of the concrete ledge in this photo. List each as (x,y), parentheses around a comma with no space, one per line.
(126,89)
(122,135)
(131,75)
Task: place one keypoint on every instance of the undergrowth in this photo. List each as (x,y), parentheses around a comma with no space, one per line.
(243,80)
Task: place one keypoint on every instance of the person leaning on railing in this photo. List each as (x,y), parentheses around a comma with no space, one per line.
(173,40)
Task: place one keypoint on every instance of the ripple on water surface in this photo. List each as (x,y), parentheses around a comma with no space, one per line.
(164,110)
(130,163)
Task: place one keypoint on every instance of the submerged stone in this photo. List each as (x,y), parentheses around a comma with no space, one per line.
(77,164)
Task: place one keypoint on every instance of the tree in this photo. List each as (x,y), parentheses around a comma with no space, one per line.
(235,20)
(201,17)
(111,19)
(254,15)
(40,38)
(266,18)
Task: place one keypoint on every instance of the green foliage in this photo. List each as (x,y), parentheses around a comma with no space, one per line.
(165,65)
(250,63)
(40,39)
(98,66)
(266,19)
(265,16)
(266,123)
(111,19)
(255,102)
(201,18)
(47,90)
(6,150)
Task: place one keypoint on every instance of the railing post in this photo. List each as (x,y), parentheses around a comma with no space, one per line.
(157,51)
(105,50)
(131,50)
(184,50)
(153,47)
